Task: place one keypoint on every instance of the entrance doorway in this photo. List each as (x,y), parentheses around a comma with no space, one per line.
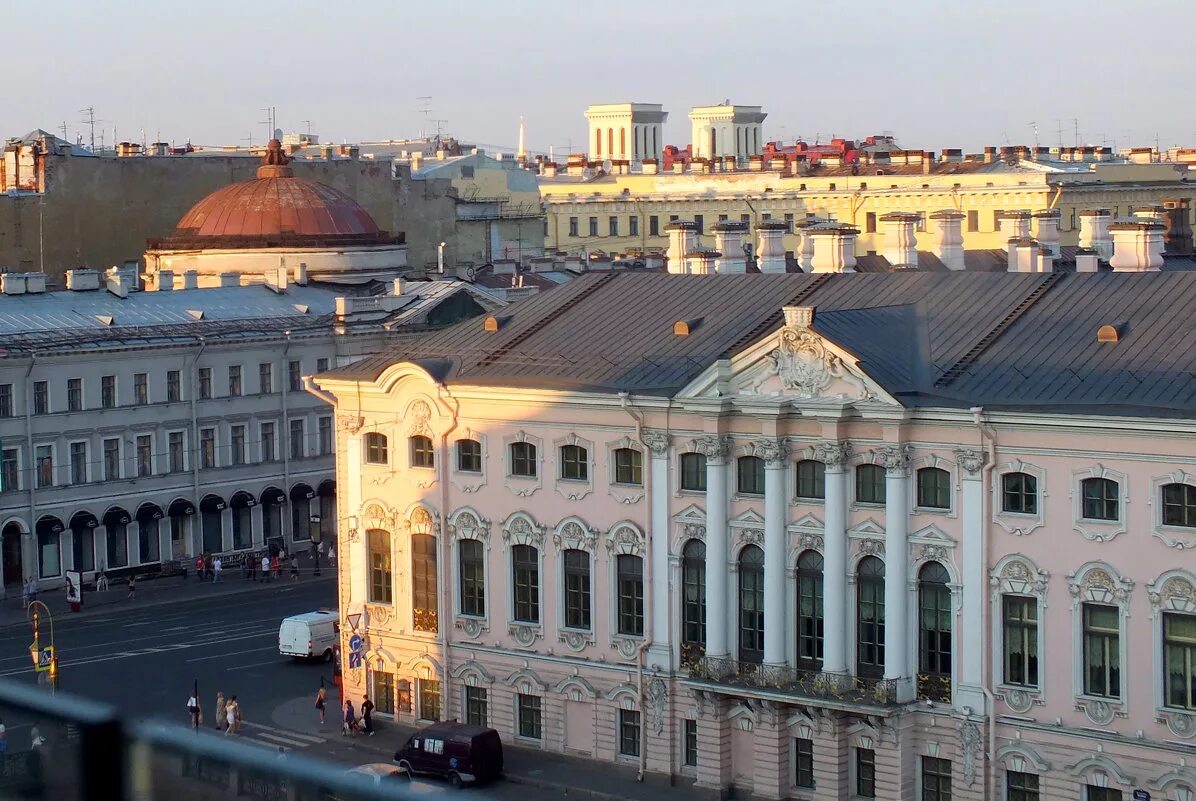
(11,554)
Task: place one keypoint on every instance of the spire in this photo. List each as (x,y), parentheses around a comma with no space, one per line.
(521,154)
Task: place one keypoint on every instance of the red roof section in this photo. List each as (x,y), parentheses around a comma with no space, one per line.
(272,207)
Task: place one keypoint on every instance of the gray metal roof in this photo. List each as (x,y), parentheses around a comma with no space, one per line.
(1024,341)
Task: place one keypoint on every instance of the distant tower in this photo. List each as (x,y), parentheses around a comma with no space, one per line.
(521,155)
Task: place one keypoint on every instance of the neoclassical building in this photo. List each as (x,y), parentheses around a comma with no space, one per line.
(903,535)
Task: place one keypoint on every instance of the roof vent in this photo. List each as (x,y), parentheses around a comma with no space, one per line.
(106,319)
(683,328)
(195,314)
(490,324)
(1109,333)
(302,308)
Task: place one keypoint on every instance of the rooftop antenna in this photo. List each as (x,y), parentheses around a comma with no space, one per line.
(1075,121)
(89,119)
(1034,126)
(521,153)
(425,106)
(63,129)
(438,123)
(1059,131)
(249,138)
(307,123)
(268,122)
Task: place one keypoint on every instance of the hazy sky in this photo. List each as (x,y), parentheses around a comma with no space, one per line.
(936,74)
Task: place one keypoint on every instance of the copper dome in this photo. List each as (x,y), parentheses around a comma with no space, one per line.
(276,209)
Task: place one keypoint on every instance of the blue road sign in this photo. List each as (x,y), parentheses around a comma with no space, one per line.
(356,643)
(354,659)
(45,657)
(1141,795)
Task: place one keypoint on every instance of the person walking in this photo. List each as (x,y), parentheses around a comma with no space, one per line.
(321,701)
(193,710)
(350,727)
(294,567)
(318,553)
(367,710)
(217,569)
(132,596)
(102,582)
(332,555)
(265,568)
(276,568)
(199,567)
(251,566)
(221,710)
(231,712)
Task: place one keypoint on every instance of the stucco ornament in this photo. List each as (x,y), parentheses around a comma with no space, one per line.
(1181,725)
(420,413)
(655,693)
(811,542)
(625,540)
(872,547)
(695,531)
(970,461)
(1019,700)
(1099,712)
(1176,595)
(656,441)
(833,453)
(349,423)
(712,447)
(969,736)
(466,525)
(574,536)
(524,634)
(805,365)
(751,536)
(471,627)
(895,459)
(575,640)
(934,553)
(1099,586)
(771,451)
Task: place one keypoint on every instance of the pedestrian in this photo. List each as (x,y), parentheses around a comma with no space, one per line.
(221,710)
(319,555)
(294,567)
(33,589)
(25,596)
(132,596)
(199,571)
(350,726)
(332,555)
(36,740)
(3,738)
(276,568)
(193,710)
(265,568)
(217,569)
(102,582)
(321,700)
(231,709)
(367,709)
(250,566)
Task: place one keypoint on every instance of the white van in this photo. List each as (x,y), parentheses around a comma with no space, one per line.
(313,634)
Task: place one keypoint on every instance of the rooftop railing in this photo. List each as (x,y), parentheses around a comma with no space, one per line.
(794,681)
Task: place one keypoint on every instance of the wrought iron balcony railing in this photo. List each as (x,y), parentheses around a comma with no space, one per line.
(786,679)
(934,687)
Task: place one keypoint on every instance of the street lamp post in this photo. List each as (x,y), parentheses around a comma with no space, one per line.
(35,649)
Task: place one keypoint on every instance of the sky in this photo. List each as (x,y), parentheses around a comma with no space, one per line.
(935,74)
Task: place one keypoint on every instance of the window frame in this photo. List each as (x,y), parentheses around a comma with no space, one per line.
(1186,505)
(1017,786)
(522,452)
(525,576)
(421,452)
(693,577)
(425,582)
(810,585)
(803,763)
(630,730)
(533,706)
(628,467)
(934,776)
(75,397)
(107,402)
(935,493)
(1028,490)
(874,584)
(865,772)
(376,448)
(749,484)
(471,582)
(629,595)
(1109,639)
(750,594)
(876,490)
(691,458)
(577,583)
(474,699)
(815,482)
(573,457)
(380,581)
(41,397)
(460,455)
(1030,634)
(141,389)
(1104,482)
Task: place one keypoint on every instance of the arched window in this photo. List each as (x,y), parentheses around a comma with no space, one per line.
(934,488)
(1099,498)
(423,581)
(693,598)
(375,448)
(380,570)
(422,454)
(934,633)
(809,610)
(751,605)
(870,618)
(575,463)
(598,142)
(469,456)
(629,571)
(577,589)
(473,578)
(693,472)
(811,479)
(1019,493)
(525,578)
(751,475)
(629,466)
(1179,505)
(610,141)
(870,484)
(622,141)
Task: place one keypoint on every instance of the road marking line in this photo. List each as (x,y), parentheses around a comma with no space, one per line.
(235,653)
(313,739)
(127,654)
(276,739)
(255,664)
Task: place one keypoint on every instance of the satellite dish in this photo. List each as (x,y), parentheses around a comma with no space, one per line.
(607,166)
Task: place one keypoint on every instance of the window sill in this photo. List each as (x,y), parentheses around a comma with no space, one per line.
(932,510)
(575,482)
(798,500)
(520,477)
(459,471)
(420,467)
(1101,521)
(700,493)
(626,485)
(1019,515)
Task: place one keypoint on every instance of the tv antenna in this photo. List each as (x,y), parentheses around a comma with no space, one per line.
(425,108)
(63,129)
(1075,122)
(268,122)
(307,123)
(1059,132)
(1034,127)
(438,124)
(89,119)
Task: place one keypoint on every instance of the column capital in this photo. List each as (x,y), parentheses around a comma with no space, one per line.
(833,453)
(895,459)
(970,461)
(772,451)
(656,441)
(714,447)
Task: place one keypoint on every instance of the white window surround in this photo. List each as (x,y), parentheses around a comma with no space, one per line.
(1178,783)
(1021,758)
(858,459)
(1179,537)
(573,533)
(807,533)
(1098,530)
(467,524)
(934,460)
(1174,591)
(1018,523)
(625,538)
(120,452)
(572,489)
(365,446)
(87,471)
(472,673)
(1099,583)
(54,463)
(808,453)
(626,493)
(1017,575)
(436,456)
(735,452)
(520,528)
(154,453)
(1100,770)
(523,486)
(466,481)
(675,455)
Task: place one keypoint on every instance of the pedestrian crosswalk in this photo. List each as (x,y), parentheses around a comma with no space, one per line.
(274,737)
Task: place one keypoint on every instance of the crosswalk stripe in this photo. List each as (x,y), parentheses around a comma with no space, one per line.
(278,739)
(311,738)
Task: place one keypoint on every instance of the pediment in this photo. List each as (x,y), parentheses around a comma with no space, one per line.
(931,535)
(690,514)
(747,519)
(807,522)
(866,529)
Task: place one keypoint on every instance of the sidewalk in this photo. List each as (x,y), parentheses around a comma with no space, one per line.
(151,592)
(581,778)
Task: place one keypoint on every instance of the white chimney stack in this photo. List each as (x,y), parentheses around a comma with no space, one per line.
(82,279)
(1094,232)
(770,252)
(1015,223)
(683,241)
(1046,231)
(1087,261)
(948,245)
(1024,256)
(901,242)
(805,247)
(164,280)
(1137,246)
(702,262)
(834,247)
(190,279)
(728,241)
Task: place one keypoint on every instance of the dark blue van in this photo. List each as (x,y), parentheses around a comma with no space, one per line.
(460,752)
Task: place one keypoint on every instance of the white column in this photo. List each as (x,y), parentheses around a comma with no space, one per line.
(835,602)
(714,448)
(895,459)
(226,527)
(970,692)
(358,554)
(165,551)
(775,598)
(257,527)
(658,536)
(133,541)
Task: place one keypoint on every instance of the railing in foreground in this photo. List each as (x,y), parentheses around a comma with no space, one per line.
(785,679)
(64,748)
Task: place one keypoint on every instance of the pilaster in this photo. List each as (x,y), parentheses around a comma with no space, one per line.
(714,746)
(970,692)
(775,598)
(714,448)
(834,456)
(896,461)
(660,652)
(770,774)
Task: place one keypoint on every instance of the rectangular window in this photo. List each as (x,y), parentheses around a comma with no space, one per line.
(429,699)
(268,442)
(653,225)
(629,732)
(865,773)
(700,221)
(529,710)
(141,388)
(629,570)
(693,472)
(265,378)
(996,220)
(575,463)
(145,455)
(1021,641)
(74,394)
(174,386)
(111,459)
(6,407)
(108,392)
(789,222)
(690,733)
(205,382)
(422,453)
(573,226)
(525,566)
(870,223)
(44,454)
(811,479)
(593,226)
(523,459)
(322,365)
(10,472)
(234,380)
(207,448)
(936,779)
(236,444)
(296,439)
(477,712)
(469,456)
(973,221)
(384,692)
(577,589)
(176,448)
(295,376)
(41,397)
(1095,793)
(629,466)
(1179,660)
(1021,786)
(1102,660)
(324,434)
(472,559)
(78,462)
(870,484)
(633,225)
(803,762)
(614,226)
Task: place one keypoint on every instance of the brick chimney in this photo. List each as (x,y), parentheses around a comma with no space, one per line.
(728,240)
(770,252)
(1094,232)
(1137,246)
(1046,231)
(683,240)
(901,242)
(1148,213)
(948,243)
(834,247)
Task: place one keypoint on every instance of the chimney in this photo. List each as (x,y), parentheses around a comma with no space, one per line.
(190,279)
(1087,261)
(164,280)
(654,260)
(728,240)
(416,158)
(948,244)
(1024,256)
(278,281)
(770,252)
(683,240)
(990,155)
(301,273)
(834,247)
(702,262)
(650,166)
(397,286)
(1137,246)
(12,283)
(1177,231)
(1094,232)
(1148,213)
(118,283)
(805,245)
(230,279)
(82,279)
(1015,223)
(952,155)
(1046,231)
(35,283)
(505,267)
(901,243)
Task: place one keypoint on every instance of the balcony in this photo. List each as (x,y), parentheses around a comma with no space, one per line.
(834,688)
(934,687)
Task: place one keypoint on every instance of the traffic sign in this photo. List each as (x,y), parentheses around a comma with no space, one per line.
(1141,795)
(356,643)
(354,659)
(45,657)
